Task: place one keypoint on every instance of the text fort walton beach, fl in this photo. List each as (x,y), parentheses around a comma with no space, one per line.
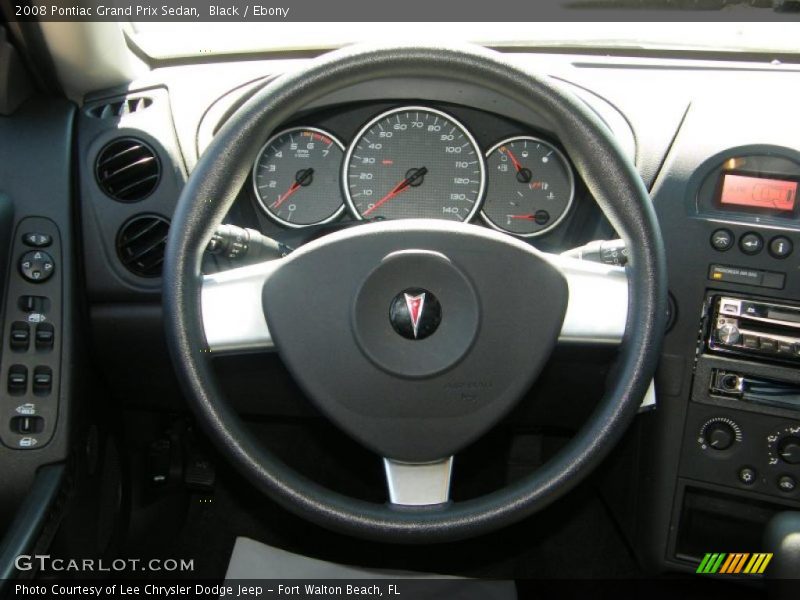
(144,11)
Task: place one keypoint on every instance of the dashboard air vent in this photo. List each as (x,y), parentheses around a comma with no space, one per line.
(119,108)
(127,169)
(141,242)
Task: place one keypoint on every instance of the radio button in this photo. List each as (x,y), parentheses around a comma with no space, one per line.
(768,344)
(751,243)
(751,342)
(780,247)
(785,348)
(722,240)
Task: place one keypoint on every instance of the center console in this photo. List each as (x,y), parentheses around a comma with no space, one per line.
(726,433)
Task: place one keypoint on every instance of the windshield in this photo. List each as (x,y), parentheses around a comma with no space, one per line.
(171,40)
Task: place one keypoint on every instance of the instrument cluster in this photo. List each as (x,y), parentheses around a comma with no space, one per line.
(413,162)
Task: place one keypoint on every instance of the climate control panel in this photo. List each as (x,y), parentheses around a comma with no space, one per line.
(743,450)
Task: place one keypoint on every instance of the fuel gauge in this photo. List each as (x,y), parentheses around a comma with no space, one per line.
(530,186)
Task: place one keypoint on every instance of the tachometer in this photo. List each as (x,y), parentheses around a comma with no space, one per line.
(530,186)
(414,162)
(296,177)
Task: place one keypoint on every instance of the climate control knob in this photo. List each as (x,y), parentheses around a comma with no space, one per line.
(719,434)
(789,450)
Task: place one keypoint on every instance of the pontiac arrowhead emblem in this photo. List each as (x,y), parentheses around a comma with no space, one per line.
(415,313)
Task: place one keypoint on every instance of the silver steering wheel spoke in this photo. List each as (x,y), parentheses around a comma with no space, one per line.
(233,315)
(232,308)
(597,311)
(418,484)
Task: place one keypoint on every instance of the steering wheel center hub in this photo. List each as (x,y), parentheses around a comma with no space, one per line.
(415,399)
(424,329)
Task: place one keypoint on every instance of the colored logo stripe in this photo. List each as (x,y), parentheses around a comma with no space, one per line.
(734,563)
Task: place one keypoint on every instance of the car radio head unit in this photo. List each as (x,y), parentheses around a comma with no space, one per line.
(755,328)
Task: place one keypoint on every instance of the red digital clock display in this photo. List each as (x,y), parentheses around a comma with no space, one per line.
(758,192)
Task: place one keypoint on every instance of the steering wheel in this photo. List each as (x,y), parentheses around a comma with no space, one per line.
(340,308)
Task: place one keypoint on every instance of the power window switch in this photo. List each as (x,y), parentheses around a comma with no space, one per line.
(17,380)
(27,425)
(42,381)
(20,336)
(45,336)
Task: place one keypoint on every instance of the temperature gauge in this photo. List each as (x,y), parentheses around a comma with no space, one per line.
(530,186)
(296,177)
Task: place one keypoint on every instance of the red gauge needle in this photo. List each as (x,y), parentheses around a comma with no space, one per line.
(514,160)
(302,178)
(523,174)
(398,189)
(526,217)
(281,199)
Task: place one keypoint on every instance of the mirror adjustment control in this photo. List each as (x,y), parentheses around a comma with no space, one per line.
(37,240)
(36,266)
(20,336)
(17,379)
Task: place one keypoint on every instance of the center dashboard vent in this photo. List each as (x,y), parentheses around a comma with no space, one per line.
(119,108)
(127,169)
(141,243)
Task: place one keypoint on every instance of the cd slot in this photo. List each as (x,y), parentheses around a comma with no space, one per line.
(755,390)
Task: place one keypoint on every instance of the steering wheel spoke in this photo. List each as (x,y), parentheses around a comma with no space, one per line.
(232,308)
(597,311)
(418,484)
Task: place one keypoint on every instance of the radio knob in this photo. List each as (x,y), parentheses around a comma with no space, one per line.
(728,333)
(719,435)
(789,450)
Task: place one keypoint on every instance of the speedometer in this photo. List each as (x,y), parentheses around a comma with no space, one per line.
(414,162)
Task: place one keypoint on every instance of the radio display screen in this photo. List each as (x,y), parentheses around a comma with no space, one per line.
(758,193)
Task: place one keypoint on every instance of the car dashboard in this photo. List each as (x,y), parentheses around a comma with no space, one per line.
(717,144)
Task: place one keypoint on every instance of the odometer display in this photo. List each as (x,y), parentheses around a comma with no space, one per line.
(296,177)
(414,162)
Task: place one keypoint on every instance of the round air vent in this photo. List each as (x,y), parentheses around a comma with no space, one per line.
(141,242)
(127,169)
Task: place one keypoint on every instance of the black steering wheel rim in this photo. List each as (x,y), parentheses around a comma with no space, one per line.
(223,170)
